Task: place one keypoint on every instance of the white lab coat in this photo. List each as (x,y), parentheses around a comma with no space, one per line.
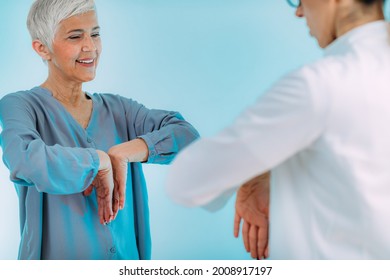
(324,132)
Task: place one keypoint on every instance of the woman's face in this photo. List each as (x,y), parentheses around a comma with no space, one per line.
(320,18)
(76,48)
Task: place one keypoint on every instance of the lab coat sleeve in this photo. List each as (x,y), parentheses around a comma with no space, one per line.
(50,169)
(284,120)
(165,132)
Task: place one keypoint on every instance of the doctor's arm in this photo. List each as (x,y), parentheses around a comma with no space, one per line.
(284,120)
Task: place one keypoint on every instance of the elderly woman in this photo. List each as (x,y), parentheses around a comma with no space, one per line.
(323,132)
(61,144)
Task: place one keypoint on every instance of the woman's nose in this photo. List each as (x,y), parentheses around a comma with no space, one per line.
(88,45)
(299,11)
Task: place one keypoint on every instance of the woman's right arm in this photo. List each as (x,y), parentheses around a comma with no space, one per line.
(51,169)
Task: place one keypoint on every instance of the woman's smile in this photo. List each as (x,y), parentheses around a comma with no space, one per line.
(86,62)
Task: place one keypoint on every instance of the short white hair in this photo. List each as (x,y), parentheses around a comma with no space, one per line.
(45,16)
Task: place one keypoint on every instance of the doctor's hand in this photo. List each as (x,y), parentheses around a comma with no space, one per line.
(104,186)
(132,151)
(252,206)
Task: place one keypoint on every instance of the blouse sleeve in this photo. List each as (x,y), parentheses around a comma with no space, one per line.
(51,169)
(165,132)
(284,120)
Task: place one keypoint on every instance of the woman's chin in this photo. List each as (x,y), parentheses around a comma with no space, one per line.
(86,79)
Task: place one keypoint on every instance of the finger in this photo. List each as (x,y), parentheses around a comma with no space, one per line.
(115,202)
(120,178)
(100,203)
(102,209)
(262,241)
(237,222)
(266,254)
(104,192)
(253,241)
(108,213)
(245,233)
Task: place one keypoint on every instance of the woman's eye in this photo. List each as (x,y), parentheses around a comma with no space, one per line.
(74,37)
(96,35)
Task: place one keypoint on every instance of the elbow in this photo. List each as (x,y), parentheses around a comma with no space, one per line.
(185,131)
(193,134)
(186,135)
(182,191)
(180,196)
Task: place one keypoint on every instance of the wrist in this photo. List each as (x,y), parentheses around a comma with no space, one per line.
(260,181)
(104,160)
(142,150)
(135,150)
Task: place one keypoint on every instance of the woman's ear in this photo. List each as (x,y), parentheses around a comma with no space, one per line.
(41,49)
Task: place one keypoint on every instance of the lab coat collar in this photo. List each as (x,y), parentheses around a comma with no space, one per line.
(356,35)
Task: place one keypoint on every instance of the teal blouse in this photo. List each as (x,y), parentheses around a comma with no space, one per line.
(52,160)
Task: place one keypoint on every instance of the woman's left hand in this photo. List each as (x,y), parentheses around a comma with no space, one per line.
(252,206)
(133,151)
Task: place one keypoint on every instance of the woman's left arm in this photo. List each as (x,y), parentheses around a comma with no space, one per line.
(164,132)
(158,136)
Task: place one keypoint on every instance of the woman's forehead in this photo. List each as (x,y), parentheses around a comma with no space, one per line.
(85,21)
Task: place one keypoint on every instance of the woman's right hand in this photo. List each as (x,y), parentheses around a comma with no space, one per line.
(104,186)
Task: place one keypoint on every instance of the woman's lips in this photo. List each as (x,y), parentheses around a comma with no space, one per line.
(87,62)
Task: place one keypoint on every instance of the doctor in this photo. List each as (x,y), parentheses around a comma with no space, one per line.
(318,142)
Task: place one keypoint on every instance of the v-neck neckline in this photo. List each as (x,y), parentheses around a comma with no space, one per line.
(49,93)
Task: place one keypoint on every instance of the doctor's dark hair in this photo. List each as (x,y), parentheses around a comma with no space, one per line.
(369,2)
(45,16)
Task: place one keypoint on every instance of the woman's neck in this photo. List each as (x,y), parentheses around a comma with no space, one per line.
(349,17)
(70,94)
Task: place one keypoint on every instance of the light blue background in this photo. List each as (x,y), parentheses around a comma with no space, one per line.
(207,59)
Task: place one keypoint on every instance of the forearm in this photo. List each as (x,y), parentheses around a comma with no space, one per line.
(209,168)
(134,150)
(165,134)
(50,169)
